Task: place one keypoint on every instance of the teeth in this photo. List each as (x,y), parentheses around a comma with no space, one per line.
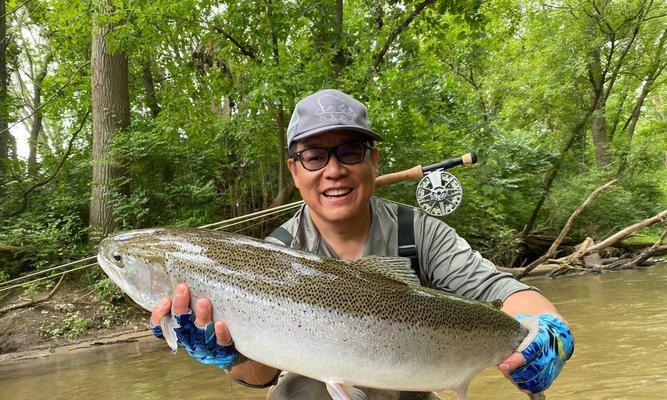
(337,192)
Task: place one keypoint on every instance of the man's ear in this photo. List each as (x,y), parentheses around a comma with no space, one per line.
(375,160)
(291,165)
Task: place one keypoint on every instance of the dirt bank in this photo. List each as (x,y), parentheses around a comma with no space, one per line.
(72,319)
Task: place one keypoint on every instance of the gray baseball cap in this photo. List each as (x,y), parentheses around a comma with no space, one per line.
(328,110)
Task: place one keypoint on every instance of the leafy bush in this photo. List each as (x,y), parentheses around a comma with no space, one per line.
(71,327)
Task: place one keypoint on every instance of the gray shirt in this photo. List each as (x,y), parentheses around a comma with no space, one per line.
(446,261)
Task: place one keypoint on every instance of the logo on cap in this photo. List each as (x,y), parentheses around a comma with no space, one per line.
(333,108)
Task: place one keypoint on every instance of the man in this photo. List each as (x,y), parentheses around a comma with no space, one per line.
(334,165)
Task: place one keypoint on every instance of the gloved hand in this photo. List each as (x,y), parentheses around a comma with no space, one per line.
(200,343)
(546,355)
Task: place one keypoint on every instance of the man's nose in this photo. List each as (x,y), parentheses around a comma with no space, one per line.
(334,168)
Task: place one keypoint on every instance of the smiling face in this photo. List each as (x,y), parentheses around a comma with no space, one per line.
(337,193)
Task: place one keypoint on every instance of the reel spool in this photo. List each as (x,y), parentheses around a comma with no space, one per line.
(439,193)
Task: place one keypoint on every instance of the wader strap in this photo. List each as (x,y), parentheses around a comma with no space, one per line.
(283,235)
(406,236)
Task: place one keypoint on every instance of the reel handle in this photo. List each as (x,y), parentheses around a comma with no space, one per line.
(418,171)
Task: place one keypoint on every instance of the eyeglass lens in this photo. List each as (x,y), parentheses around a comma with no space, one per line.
(316,158)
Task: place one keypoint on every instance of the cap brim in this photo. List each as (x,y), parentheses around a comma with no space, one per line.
(324,129)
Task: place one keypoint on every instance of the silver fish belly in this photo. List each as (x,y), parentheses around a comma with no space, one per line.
(356,323)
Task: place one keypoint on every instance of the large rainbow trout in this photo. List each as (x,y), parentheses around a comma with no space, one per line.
(365,322)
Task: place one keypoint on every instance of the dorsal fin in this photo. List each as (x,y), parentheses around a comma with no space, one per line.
(396,268)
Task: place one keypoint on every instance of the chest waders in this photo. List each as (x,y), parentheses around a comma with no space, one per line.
(406,236)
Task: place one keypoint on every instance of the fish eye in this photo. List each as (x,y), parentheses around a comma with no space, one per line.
(117,257)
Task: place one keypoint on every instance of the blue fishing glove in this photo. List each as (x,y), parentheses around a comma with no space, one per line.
(545,355)
(200,343)
(157,331)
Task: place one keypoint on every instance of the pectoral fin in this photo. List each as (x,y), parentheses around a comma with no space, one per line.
(168,324)
(533,326)
(461,391)
(339,391)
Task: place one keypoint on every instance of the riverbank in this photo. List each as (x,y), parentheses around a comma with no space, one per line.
(73,319)
(619,321)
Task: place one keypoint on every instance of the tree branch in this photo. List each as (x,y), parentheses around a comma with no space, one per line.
(554,246)
(17,8)
(244,50)
(54,173)
(47,101)
(623,233)
(33,302)
(379,57)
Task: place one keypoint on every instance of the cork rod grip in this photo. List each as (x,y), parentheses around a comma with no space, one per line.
(409,174)
(469,159)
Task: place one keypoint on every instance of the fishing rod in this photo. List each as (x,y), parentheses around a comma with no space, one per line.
(4,286)
(438,193)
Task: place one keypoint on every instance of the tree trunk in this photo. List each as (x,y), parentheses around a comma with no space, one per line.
(600,135)
(282,143)
(634,117)
(339,58)
(280,116)
(111,114)
(36,127)
(4,113)
(149,87)
(32,141)
(655,69)
(596,77)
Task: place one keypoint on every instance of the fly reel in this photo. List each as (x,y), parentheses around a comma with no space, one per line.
(439,193)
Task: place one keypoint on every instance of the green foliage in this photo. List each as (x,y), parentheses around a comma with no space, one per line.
(627,202)
(108,291)
(507,78)
(71,327)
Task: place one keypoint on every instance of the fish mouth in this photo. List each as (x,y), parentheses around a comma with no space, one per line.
(141,276)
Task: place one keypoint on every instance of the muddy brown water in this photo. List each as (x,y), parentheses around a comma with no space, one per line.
(619,321)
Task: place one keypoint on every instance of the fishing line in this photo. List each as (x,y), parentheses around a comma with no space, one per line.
(261,222)
(47,277)
(46,270)
(253,215)
(276,211)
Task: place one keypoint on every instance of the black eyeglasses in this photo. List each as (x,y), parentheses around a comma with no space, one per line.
(315,158)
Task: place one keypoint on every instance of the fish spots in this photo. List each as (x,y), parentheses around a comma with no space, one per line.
(259,284)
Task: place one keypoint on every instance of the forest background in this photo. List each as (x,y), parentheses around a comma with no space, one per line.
(173,113)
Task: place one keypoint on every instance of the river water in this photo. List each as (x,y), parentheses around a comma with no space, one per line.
(619,321)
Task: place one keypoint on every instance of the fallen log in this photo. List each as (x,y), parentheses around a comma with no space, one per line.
(587,247)
(641,258)
(33,302)
(541,270)
(7,248)
(568,225)
(623,233)
(587,257)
